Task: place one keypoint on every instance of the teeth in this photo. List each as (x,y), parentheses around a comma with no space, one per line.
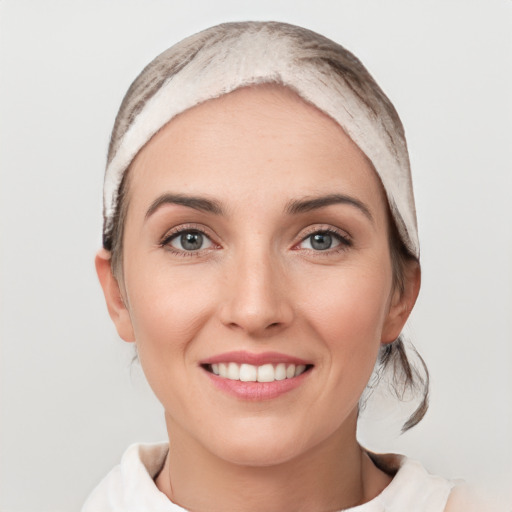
(264,373)
(280,372)
(248,372)
(299,369)
(233,371)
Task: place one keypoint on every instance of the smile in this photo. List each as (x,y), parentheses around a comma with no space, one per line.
(254,377)
(251,373)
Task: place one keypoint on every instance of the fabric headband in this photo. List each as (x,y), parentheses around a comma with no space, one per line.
(233,55)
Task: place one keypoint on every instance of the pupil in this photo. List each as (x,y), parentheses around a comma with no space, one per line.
(321,241)
(191,241)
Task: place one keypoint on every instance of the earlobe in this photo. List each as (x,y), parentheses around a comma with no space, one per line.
(115,304)
(402,303)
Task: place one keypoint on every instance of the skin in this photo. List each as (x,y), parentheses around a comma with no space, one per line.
(259,286)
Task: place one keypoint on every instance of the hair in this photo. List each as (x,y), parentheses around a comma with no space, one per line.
(327,57)
(406,377)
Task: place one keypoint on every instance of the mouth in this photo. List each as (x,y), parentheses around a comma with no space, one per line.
(250,376)
(267,372)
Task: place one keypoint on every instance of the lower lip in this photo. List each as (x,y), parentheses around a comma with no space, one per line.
(257,391)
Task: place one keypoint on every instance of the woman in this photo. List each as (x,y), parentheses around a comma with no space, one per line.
(261,250)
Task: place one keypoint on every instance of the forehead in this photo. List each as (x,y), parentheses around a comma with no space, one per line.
(260,141)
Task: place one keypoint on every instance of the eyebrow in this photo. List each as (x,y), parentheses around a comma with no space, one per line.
(309,204)
(294,207)
(197,203)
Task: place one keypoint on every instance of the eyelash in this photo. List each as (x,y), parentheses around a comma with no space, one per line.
(344,240)
(177,232)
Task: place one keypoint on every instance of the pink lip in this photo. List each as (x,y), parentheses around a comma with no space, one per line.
(241,357)
(255,391)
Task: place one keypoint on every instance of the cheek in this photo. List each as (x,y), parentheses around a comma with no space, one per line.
(351,306)
(348,314)
(167,310)
(160,297)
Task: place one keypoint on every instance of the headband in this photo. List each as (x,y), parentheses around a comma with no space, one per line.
(233,55)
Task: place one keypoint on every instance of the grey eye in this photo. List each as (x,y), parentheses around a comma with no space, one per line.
(191,241)
(320,241)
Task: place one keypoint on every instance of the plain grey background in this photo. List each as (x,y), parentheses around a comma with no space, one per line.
(70,400)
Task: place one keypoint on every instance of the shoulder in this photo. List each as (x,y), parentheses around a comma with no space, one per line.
(465,498)
(129,487)
(412,487)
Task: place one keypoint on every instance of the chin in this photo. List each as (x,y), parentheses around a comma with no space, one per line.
(261,444)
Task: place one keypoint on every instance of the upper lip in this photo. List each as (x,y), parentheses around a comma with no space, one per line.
(252,358)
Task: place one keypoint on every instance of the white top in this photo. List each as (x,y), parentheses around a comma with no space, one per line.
(129,487)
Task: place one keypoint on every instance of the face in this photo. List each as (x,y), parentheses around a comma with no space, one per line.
(257,280)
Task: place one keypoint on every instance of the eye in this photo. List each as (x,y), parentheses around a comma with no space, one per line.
(189,241)
(324,240)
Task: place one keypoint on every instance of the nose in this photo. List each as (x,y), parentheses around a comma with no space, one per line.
(257,299)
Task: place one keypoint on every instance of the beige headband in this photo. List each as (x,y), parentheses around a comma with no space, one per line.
(227,57)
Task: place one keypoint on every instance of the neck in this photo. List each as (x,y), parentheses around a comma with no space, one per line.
(336,474)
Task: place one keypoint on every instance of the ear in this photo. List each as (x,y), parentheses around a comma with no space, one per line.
(113,297)
(402,303)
